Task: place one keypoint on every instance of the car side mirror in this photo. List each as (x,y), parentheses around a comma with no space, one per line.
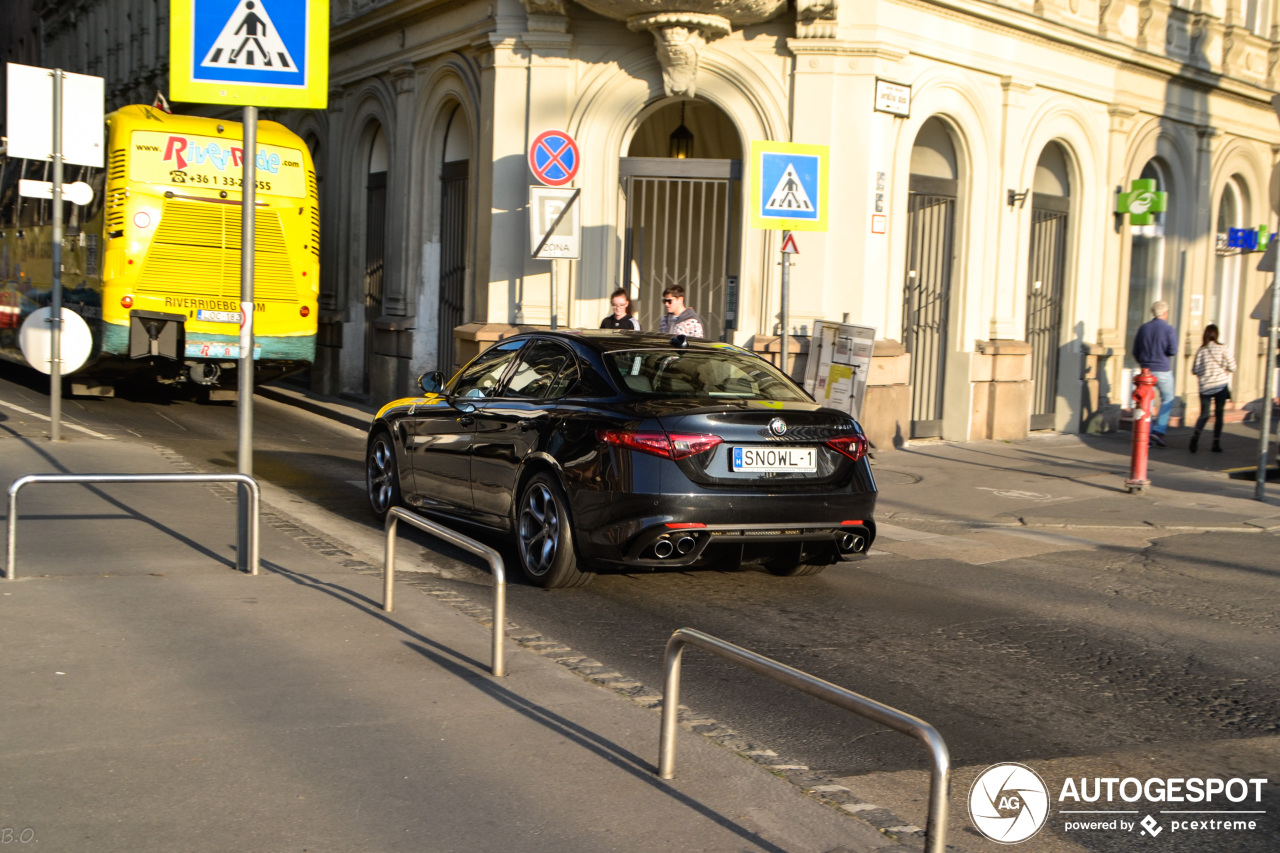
(431,383)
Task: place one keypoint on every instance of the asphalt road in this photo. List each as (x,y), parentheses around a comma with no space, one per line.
(1135,657)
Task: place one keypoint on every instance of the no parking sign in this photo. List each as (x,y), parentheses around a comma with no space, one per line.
(554,158)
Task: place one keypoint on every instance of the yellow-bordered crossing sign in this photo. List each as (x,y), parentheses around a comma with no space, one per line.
(257,53)
(788,186)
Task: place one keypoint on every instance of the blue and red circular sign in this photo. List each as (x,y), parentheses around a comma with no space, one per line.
(554,158)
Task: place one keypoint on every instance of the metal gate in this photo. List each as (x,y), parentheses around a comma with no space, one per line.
(453,258)
(374,255)
(1045,275)
(931,214)
(679,231)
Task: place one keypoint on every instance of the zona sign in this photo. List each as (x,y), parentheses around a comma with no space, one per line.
(554,158)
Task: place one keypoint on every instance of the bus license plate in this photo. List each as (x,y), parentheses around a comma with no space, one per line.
(218,316)
(769,460)
(209,349)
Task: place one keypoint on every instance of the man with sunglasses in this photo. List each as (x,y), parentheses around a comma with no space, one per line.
(679,320)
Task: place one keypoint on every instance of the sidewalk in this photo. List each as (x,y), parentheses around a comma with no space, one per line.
(1075,481)
(156,699)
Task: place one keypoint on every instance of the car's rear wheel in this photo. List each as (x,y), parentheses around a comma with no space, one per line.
(382,475)
(544,536)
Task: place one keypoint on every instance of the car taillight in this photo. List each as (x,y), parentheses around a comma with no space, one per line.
(672,446)
(853,446)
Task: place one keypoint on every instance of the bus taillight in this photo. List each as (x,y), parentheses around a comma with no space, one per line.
(304,311)
(141,219)
(126,301)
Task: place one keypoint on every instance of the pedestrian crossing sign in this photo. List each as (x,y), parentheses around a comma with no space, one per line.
(258,53)
(788,186)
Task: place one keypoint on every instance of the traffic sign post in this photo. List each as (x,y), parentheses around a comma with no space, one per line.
(37,113)
(1268,264)
(249,53)
(788,192)
(554,160)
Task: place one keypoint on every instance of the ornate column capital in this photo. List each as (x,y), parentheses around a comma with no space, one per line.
(681,28)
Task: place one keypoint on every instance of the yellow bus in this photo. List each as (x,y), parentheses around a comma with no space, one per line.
(152,263)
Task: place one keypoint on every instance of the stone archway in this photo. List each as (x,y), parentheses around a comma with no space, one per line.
(682,180)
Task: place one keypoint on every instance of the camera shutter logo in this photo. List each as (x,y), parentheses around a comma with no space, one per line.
(1008,803)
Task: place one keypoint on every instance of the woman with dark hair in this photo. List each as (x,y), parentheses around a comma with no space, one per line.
(1214,364)
(621,317)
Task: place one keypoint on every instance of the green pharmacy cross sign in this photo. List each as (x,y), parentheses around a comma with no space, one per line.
(1142,202)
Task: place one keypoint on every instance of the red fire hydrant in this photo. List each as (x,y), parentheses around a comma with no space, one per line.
(1143,396)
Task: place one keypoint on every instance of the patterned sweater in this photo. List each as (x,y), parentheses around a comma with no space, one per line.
(1214,364)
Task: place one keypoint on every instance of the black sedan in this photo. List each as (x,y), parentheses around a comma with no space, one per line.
(617,449)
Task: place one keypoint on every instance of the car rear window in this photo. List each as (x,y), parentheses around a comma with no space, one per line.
(699,373)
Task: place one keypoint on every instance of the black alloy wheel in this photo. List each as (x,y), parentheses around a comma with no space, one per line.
(382,477)
(544,536)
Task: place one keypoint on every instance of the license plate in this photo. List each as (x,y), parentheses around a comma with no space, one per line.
(768,460)
(218,316)
(209,349)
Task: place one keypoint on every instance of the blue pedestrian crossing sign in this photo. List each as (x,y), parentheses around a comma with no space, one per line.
(788,186)
(260,53)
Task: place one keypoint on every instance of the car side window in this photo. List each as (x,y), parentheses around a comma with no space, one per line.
(537,375)
(482,377)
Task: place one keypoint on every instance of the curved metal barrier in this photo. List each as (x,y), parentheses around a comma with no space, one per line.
(251,485)
(396,514)
(939,777)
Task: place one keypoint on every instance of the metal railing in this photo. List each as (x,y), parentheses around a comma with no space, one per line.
(246,558)
(940,775)
(396,514)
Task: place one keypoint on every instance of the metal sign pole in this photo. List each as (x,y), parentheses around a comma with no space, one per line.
(786,288)
(55,303)
(248,200)
(1264,443)
(554,295)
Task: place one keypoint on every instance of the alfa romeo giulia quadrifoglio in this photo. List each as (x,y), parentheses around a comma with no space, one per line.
(620,450)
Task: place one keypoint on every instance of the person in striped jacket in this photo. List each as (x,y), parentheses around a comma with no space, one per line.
(1214,365)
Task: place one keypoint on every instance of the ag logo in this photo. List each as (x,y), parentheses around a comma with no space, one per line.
(1008,803)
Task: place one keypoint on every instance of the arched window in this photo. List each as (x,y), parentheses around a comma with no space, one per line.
(374,241)
(454,191)
(1228,269)
(1046,280)
(1146,265)
(926,315)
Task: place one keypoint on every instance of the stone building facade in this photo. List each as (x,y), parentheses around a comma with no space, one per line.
(975,231)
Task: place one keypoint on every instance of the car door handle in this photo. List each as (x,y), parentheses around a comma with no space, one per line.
(527,424)
(466,420)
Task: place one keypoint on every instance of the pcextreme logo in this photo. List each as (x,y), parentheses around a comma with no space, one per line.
(1009,803)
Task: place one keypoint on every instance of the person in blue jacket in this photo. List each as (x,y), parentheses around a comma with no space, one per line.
(1154,347)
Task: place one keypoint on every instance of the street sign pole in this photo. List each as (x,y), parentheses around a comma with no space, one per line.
(786,291)
(55,304)
(1264,443)
(248,200)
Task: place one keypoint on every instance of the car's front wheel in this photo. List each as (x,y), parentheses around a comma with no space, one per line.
(382,475)
(544,536)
